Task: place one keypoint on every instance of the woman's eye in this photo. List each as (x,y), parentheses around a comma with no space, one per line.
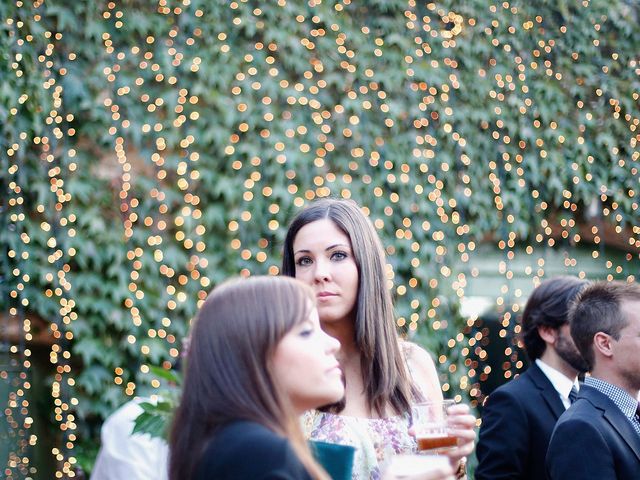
(303,261)
(338,256)
(306,330)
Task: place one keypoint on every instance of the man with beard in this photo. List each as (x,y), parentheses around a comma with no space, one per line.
(599,436)
(518,417)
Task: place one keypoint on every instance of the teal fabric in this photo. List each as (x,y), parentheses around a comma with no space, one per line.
(336,459)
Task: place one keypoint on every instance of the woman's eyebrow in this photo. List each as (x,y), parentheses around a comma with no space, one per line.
(336,245)
(331,247)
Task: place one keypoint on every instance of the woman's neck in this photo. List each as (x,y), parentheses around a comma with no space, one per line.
(349,356)
(345,333)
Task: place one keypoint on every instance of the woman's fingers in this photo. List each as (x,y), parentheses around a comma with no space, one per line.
(458,409)
(461,425)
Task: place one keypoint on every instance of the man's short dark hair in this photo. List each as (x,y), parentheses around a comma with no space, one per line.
(598,309)
(548,306)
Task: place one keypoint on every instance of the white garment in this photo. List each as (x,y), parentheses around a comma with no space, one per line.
(560,382)
(126,456)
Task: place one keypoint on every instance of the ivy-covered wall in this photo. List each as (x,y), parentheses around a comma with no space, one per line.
(150,150)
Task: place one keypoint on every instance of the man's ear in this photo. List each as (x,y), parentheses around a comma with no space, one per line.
(602,344)
(548,334)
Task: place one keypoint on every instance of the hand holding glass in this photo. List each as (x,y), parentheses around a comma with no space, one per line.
(430,424)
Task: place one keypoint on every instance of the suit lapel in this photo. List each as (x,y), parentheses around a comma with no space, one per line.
(614,416)
(548,393)
(624,428)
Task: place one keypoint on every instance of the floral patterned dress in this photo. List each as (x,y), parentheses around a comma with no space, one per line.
(375,439)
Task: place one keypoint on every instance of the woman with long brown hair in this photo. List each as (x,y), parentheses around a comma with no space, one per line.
(257,360)
(333,247)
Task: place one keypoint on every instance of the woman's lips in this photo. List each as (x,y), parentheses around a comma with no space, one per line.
(325,294)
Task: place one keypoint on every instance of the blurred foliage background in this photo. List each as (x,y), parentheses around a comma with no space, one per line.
(150,150)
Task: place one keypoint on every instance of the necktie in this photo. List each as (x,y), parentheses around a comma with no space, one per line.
(638,413)
(573,394)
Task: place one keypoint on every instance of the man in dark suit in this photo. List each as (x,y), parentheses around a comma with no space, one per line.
(599,436)
(518,417)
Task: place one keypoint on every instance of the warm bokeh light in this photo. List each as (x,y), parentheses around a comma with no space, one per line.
(209,126)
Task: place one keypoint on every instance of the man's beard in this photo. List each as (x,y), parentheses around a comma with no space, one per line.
(567,351)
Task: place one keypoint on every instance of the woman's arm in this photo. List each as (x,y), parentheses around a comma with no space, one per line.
(425,377)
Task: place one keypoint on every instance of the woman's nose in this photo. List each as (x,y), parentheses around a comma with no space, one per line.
(333,344)
(322,271)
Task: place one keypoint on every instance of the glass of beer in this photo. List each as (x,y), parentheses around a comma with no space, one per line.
(430,424)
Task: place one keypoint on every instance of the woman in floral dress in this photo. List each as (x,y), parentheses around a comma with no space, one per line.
(333,247)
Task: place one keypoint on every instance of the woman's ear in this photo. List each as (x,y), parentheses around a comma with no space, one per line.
(602,343)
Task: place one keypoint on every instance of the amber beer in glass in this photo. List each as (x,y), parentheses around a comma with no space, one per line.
(431,426)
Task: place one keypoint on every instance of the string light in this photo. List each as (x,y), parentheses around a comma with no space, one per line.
(56,227)
(144,231)
(17,371)
(335,123)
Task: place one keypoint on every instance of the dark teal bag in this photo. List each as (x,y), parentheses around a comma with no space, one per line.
(336,459)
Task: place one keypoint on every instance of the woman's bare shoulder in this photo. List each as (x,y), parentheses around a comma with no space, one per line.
(422,369)
(413,350)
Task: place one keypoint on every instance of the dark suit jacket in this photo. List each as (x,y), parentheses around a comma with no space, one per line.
(517,421)
(594,440)
(247,450)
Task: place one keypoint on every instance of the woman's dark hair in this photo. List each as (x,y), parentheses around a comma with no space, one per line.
(383,370)
(548,306)
(227,375)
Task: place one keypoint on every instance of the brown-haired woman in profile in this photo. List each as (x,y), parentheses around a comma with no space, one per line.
(257,360)
(333,247)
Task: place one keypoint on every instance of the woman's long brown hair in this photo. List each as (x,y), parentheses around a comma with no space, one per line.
(383,368)
(227,374)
